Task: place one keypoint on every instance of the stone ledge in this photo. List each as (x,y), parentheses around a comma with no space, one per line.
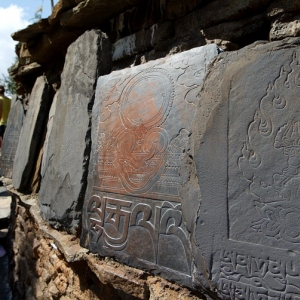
(133,282)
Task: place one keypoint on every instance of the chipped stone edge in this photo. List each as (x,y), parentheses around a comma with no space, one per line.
(131,281)
(72,253)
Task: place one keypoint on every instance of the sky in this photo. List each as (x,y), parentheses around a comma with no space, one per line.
(16,15)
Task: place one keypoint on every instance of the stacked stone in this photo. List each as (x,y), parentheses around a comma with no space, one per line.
(146,30)
(50,264)
(11,137)
(185,166)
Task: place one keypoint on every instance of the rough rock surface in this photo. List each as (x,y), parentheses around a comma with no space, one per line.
(31,133)
(279,7)
(91,12)
(11,138)
(215,13)
(51,264)
(149,28)
(48,45)
(234,228)
(248,166)
(142,196)
(285,26)
(65,162)
(59,8)
(232,31)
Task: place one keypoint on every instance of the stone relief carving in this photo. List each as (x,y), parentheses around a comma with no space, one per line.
(244,276)
(113,219)
(276,198)
(141,139)
(137,154)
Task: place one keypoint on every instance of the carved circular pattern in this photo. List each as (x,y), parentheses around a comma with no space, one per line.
(147,99)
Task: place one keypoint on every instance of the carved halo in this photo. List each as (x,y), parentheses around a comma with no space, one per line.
(152,91)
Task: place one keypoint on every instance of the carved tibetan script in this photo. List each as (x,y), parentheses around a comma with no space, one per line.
(141,141)
(269,162)
(253,251)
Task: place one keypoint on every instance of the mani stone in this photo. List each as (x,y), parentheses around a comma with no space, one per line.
(11,137)
(31,134)
(142,193)
(248,167)
(67,146)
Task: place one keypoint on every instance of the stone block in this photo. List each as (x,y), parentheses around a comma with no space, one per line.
(142,41)
(176,9)
(31,132)
(31,32)
(142,196)
(232,31)
(91,13)
(216,12)
(59,8)
(28,69)
(285,26)
(248,162)
(5,204)
(279,7)
(11,138)
(66,152)
(52,44)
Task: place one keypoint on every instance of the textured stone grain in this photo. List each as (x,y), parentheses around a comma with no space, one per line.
(248,171)
(31,132)
(66,153)
(11,138)
(142,194)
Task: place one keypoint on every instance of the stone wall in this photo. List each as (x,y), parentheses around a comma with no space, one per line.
(49,264)
(145,30)
(169,164)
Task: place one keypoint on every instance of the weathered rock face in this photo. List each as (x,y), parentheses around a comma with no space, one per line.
(248,169)
(149,29)
(31,133)
(91,12)
(66,154)
(51,264)
(142,195)
(286,26)
(11,138)
(198,184)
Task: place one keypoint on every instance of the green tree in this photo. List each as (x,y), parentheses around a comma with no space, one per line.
(37,15)
(9,84)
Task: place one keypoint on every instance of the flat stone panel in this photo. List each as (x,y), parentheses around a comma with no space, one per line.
(49,130)
(248,230)
(31,132)
(142,195)
(67,146)
(11,138)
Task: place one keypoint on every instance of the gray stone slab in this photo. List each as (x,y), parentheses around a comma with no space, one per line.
(11,138)
(31,132)
(142,193)
(5,204)
(248,162)
(66,152)
(49,130)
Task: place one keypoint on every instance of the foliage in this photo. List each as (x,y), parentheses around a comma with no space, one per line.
(37,15)
(9,84)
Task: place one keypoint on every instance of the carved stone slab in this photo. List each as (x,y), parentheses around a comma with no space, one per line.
(67,147)
(138,208)
(11,138)
(248,168)
(31,133)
